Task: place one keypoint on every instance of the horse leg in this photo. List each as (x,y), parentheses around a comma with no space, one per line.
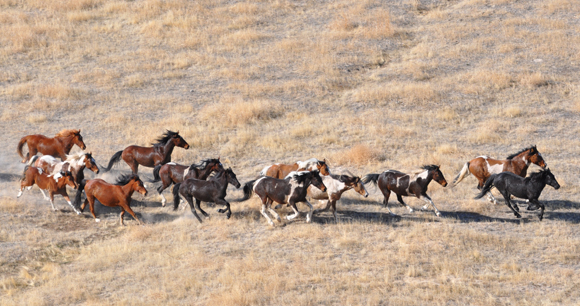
(91,201)
(323,209)
(126,207)
(189,200)
(265,205)
(538,205)
(66,197)
(121,216)
(427,199)
(51,195)
(400,199)
(506,196)
(197,205)
(160,190)
(44,195)
(273,212)
(309,215)
(227,210)
(334,210)
(296,212)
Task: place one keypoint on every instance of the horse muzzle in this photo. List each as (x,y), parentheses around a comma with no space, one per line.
(186,146)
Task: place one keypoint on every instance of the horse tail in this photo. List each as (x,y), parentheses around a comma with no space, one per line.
(115,159)
(487,186)
(156,177)
(21,143)
(373,178)
(24,173)
(176,196)
(32,160)
(248,190)
(77,201)
(265,170)
(462,174)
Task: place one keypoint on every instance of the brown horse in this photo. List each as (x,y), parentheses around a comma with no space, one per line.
(483,167)
(54,184)
(403,184)
(114,195)
(335,186)
(159,154)
(280,171)
(75,163)
(58,146)
(172,173)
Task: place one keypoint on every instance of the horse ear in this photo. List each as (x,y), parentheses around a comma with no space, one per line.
(79,131)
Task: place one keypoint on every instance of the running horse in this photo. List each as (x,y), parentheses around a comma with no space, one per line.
(528,188)
(53,183)
(117,195)
(290,190)
(172,173)
(212,190)
(75,163)
(483,167)
(280,171)
(335,186)
(158,154)
(403,184)
(58,146)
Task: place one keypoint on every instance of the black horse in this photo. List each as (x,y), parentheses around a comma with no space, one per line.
(524,188)
(290,190)
(212,190)
(403,184)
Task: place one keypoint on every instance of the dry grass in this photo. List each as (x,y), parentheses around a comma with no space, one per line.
(370,85)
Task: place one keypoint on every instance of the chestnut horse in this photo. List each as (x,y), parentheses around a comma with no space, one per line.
(58,146)
(212,190)
(172,173)
(280,171)
(150,157)
(528,188)
(335,186)
(483,167)
(75,163)
(53,183)
(290,190)
(118,195)
(403,184)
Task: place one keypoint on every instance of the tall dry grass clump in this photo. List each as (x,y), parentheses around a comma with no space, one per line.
(360,154)
(240,112)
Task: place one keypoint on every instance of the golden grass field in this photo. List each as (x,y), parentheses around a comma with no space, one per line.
(369,85)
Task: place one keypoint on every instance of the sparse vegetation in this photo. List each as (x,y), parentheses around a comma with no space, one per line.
(371,85)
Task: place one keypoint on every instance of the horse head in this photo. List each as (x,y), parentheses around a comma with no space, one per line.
(179,141)
(232,179)
(550,179)
(360,187)
(78,139)
(138,185)
(316,180)
(534,156)
(323,167)
(68,179)
(437,174)
(90,163)
(215,164)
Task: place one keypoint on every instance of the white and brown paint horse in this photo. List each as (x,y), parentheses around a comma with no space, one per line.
(403,184)
(53,183)
(173,173)
(482,167)
(75,163)
(335,186)
(291,190)
(280,171)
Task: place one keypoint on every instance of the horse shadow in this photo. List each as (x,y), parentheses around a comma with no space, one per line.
(353,216)
(9,177)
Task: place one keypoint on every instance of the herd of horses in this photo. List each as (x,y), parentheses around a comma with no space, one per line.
(283,184)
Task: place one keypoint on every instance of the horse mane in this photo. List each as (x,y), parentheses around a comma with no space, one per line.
(307,163)
(538,175)
(163,139)
(430,167)
(67,133)
(203,164)
(75,156)
(125,179)
(300,176)
(520,152)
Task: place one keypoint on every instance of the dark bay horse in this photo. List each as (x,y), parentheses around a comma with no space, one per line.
(483,167)
(58,146)
(403,184)
(212,190)
(529,188)
(150,157)
(75,163)
(172,173)
(114,195)
(335,186)
(280,171)
(290,190)
(53,183)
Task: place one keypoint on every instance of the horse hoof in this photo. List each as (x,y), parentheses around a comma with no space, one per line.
(438,214)
(411,210)
(518,216)
(228,216)
(97,220)
(221,211)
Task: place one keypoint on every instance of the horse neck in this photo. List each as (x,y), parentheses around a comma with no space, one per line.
(519,164)
(425,182)
(167,149)
(538,185)
(66,142)
(128,189)
(222,182)
(204,173)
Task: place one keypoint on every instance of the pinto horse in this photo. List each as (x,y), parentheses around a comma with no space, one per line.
(114,195)
(403,184)
(335,186)
(53,183)
(58,146)
(483,167)
(280,171)
(150,157)
(213,190)
(528,188)
(290,190)
(172,173)
(75,163)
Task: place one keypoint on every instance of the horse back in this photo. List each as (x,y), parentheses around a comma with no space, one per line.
(511,183)
(482,167)
(174,171)
(107,194)
(202,190)
(276,189)
(395,181)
